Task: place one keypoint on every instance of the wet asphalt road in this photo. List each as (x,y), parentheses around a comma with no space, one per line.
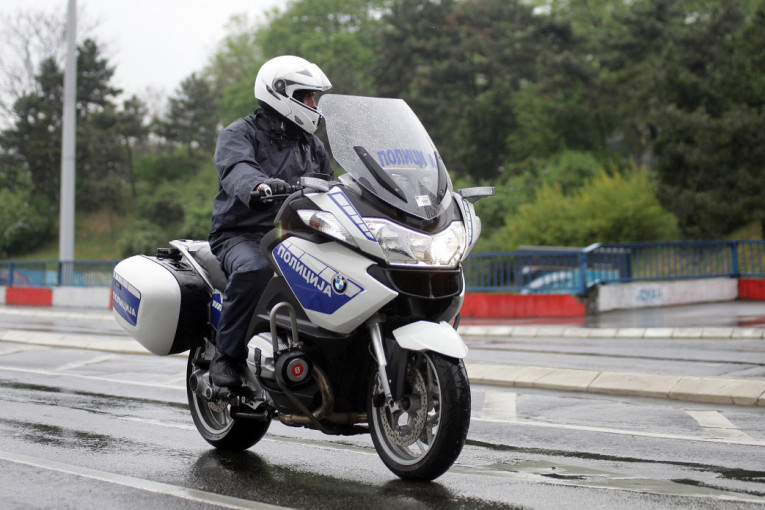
(83,429)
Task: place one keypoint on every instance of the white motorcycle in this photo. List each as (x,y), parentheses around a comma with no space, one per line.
(356,332)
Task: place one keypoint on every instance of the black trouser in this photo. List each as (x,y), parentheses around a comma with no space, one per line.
(248,274)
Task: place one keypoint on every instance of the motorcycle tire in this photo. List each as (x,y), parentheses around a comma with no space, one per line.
(423,441)
(214,421)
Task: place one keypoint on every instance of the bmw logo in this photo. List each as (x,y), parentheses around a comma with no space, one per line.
(339,283)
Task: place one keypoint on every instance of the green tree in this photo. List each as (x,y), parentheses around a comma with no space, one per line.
(712,169)
(340,36)
(35,138)
(102,158)
(134,133)
(479,73)
(232,68)
(192,118)
(708,140)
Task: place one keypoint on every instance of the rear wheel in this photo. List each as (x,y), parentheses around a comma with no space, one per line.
(213,417)
(423,438)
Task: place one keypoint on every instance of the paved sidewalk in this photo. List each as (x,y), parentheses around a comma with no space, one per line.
(717,390)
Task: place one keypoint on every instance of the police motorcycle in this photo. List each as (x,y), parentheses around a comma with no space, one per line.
(356,332)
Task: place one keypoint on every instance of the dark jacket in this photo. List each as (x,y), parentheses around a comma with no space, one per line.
(260,146)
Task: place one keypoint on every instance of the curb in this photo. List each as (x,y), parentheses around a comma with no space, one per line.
(714,390)
(580,332)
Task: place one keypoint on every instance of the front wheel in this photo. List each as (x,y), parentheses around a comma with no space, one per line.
(423,438)
(213,418)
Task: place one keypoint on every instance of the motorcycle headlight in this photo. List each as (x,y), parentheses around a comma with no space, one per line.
(327,223)
(402,246)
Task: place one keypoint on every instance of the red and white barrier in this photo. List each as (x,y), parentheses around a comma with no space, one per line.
(74,297)
(477,305)
(486,305)
(749,288)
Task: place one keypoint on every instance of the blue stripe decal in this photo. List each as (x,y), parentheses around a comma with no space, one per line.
(125,299)
(339,198)
(317,286)
(468,221)
(216,308)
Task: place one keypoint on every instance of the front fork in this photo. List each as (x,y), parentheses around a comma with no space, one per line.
(375,333)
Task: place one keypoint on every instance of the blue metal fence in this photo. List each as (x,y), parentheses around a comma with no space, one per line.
(531,270)
(94,273)
(572,270)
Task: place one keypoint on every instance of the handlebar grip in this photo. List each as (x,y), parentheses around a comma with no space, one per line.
(263,194)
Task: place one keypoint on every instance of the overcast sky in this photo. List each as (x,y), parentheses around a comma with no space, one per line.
(153,43)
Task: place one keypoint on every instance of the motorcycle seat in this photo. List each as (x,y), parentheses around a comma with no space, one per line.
(210,264)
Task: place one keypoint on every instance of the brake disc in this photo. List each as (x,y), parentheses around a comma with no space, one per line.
(408,433)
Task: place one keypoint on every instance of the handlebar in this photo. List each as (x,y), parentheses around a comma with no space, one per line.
(260,196)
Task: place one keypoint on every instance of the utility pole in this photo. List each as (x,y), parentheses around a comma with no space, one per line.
(69,127)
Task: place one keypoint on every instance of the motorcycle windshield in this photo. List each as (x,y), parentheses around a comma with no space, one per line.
(382,144)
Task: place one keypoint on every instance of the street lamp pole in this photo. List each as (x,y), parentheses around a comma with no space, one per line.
(69,126)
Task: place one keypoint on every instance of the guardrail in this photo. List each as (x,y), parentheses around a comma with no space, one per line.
(573,271)
(91,273)
(541,270)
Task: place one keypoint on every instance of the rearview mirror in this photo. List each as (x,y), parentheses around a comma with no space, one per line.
(314,183)
(474,194)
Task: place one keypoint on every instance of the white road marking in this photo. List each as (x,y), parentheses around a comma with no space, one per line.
(194,495)
(16,350)
(84,362)
(174,380)
(158,423)
(57,314)
(92,378)
(584,428)
(740,440)
(500,405)
(540,472)
(716,424)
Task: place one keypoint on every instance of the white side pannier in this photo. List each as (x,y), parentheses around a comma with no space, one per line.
(161,302)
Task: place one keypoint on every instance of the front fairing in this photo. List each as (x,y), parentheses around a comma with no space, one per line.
(382,144)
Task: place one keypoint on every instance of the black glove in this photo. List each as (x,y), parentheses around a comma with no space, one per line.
(273,187)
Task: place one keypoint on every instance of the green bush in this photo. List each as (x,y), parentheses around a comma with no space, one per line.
(163,206)
(24,225)
(618,208)
(568,169)
(198,222)
(156,168)
(143,237)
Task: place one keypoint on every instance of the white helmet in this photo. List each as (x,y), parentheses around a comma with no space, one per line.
(279,79)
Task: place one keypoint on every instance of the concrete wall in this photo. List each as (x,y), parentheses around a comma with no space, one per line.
(651,294)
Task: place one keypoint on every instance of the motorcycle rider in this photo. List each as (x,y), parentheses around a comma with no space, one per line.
(267,151)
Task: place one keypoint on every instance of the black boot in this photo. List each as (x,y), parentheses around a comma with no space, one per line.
(225,371)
